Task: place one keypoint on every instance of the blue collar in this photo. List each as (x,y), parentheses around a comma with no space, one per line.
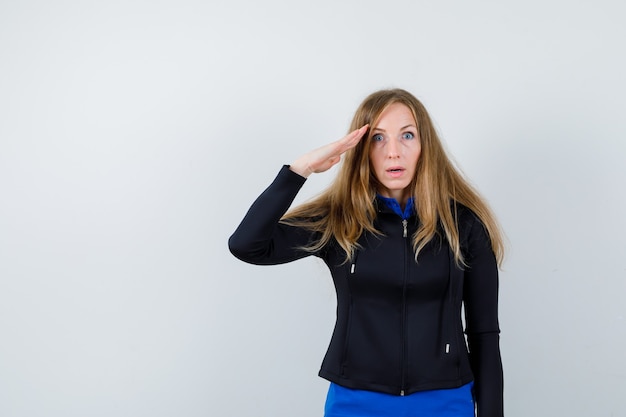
(393,204)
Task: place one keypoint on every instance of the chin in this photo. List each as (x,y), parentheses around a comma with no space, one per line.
(395,187)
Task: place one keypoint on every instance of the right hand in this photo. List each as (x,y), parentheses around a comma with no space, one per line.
(322,159)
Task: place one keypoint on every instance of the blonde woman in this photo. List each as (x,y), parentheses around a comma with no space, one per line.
(408,242)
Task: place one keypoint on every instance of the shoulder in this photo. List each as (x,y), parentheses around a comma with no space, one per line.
(465,217)
(472,230)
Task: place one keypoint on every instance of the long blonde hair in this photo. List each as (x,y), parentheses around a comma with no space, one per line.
(346,209)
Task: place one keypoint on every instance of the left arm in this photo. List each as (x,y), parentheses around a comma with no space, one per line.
(480,295)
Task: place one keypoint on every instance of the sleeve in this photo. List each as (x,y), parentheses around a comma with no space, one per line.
(260,238)
(480,296)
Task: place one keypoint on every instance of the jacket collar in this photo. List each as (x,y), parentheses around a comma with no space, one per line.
(391,205)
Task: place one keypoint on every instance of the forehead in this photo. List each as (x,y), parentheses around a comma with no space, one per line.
(395,113)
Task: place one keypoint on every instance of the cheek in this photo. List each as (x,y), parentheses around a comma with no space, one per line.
(375,160)
(413,153)
(418,151)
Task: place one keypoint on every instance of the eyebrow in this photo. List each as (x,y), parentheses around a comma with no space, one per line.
(402,128)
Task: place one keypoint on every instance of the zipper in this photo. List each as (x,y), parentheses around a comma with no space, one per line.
(353,265)
(404,312)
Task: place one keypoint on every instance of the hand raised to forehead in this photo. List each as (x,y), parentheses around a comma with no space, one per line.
(322,159)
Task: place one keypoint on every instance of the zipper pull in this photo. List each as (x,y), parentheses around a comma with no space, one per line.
(402,393)
(404,223)
(352,268)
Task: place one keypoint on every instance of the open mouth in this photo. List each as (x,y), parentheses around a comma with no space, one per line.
(395,172)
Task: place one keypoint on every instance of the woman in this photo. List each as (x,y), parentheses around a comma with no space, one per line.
(408,242)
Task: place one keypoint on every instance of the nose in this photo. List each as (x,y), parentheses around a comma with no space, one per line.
(393,149)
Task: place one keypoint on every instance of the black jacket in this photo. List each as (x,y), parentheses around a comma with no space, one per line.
(398,327)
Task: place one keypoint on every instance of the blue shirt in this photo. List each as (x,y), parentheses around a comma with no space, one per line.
(393,204)
(347,402)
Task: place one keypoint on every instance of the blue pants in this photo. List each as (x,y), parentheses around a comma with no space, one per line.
(346,402)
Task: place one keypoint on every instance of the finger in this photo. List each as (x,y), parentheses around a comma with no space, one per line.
(353,138)
(358,133)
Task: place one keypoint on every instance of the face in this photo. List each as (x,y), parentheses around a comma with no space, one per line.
(394,151)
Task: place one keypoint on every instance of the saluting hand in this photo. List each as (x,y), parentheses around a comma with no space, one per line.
(322,159)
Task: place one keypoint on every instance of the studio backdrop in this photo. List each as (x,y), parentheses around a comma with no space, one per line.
(134,135)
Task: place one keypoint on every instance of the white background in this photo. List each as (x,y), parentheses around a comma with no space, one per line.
(135,134)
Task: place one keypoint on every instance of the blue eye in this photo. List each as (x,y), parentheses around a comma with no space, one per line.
(408,135)
(377,137)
